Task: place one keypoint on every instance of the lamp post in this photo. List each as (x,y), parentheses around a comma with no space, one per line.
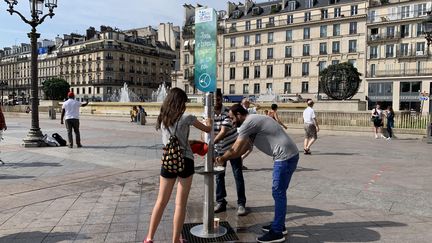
(34,137)
(3,84)
(427,23)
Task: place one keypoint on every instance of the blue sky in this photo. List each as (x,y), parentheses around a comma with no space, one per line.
(77,15)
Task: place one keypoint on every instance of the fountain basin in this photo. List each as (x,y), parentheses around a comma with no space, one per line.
(153,108)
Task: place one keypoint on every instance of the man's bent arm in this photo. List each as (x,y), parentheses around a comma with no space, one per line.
(239,147)
(85,104)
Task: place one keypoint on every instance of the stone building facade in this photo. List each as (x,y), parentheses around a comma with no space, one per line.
(281,46)
(96,65)
(399,67)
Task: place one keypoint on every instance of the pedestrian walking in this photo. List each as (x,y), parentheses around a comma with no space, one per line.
(273,114)
(3,127)
(311,127)
(225,136)
(377,119)
(172,121)
(390,122)
(269,137)
(70,112)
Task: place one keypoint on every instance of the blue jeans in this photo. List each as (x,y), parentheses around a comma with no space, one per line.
(236,165)
(282,173)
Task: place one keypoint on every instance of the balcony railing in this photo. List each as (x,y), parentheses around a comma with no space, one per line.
(411,54)
(399,73)
(316,18)
(396,17)
(377,38)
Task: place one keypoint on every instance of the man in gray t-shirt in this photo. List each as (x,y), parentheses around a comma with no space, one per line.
(269,137)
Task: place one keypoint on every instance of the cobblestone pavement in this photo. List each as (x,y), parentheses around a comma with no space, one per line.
(353,188)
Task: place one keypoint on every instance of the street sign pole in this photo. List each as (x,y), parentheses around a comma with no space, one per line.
(205,81)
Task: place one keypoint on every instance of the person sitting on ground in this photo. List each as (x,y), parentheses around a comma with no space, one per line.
(273,114)
(134,113)
(141,115)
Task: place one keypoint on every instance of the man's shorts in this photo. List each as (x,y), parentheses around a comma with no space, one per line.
(310,131)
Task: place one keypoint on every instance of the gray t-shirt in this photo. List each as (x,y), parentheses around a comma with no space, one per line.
(182,133)
(268,136)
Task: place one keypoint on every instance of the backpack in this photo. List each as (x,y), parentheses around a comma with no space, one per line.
(172,157)
(59,139)
(50,141)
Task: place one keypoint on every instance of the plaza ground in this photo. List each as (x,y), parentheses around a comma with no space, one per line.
(353,188)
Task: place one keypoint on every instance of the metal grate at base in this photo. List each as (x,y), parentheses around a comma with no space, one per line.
(229,236)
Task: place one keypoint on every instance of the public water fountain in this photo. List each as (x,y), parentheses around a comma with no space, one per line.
(269,96)
(124,95)
(160,94)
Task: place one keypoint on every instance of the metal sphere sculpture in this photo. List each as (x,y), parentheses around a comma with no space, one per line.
(340,81)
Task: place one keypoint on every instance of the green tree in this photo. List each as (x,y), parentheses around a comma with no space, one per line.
(340,81)
(55,88)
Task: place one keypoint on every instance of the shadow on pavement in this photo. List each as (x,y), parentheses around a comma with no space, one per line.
(156,146)
(257,170)
(302,169)
(13,177)
(39,236)
(32,164)
(328,232)
(335,154)
(340,232)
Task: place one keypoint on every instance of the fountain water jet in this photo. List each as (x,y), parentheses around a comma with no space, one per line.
(160,94)
(124,95)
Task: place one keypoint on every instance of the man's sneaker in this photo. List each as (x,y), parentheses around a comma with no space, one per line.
(241,210)
(70,146)
(271,236)
(79,145)
(220,207)
(267,228)
(388,139)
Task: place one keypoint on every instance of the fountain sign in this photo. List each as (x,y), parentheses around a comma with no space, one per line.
(205,49)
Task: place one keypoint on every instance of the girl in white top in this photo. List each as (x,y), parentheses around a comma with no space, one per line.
(172,117)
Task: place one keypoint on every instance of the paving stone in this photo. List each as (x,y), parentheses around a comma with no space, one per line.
(351,189)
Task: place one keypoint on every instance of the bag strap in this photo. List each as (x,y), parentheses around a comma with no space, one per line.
(177,122)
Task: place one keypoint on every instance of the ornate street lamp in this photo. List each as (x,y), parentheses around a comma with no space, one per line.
(34,137)
(427,23)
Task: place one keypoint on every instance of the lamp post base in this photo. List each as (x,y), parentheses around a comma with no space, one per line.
(34,139)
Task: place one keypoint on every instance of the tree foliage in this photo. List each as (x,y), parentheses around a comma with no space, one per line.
(340,81)
(55,88)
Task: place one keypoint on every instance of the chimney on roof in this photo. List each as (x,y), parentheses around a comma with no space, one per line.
(90,33)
